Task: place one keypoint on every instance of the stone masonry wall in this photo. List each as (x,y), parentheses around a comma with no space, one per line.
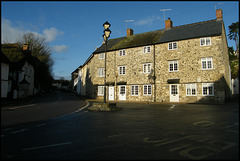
(188,54)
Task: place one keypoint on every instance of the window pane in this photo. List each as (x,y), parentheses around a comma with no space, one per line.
(175,45)
(204,90)
(149,68)
(193,91)
(169,45)
(204,66)
(145,90)
(149,89)
(175,66)
(148,49)
(171,67)
(209,64)
(210,90)
(136,90)
(208,41)
(202,41)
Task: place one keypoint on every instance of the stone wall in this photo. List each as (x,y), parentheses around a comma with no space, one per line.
(188,54)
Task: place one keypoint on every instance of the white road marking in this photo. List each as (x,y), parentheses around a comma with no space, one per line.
(12,108)
(171,108)
(46,146)
(14,132)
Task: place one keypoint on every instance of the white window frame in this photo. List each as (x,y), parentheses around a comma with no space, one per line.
(134,91)
(171,46)
(122,70)
(147,67)
(173,62)
(203,41)
(149,92)
(101,72)
(207,60)
(100,90)
(122,52)
(190,88)
(102,56)
(146,49)
(207,86)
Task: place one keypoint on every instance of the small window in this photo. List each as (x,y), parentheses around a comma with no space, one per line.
(100,90)
(122,70)
(101,72)
(122,53)
(191,89)
(207,63)
(173,66)
(147,68)
(147,89)
(207,89)
(146,49)
(205,41)
(134,90)
(101,55)
(172,46)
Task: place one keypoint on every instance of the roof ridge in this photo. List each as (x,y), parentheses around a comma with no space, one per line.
(195,23)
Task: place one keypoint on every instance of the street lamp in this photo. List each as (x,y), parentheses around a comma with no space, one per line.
(106,35)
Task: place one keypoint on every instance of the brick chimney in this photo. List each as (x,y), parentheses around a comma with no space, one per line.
(25,47)
(219,14)
(168,24)
(129,32)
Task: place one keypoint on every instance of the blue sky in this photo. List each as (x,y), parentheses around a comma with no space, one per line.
(74,29)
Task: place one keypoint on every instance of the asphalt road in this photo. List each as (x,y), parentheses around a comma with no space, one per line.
(49,105)
(137,131)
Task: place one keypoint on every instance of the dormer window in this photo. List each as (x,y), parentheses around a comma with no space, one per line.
(122,52)
(146,49)
(205,41)
(172,46)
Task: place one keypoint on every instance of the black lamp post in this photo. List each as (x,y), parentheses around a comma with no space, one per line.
(106,35)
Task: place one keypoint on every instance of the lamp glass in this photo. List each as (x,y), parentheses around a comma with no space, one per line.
(107,33)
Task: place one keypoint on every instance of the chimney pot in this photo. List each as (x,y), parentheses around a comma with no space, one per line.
(219,14)
(168,23)
(129,32)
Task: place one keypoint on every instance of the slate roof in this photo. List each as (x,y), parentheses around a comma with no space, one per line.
(195,30)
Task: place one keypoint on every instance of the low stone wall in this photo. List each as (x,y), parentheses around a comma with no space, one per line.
(100,106)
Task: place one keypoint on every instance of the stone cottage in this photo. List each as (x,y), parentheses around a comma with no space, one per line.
(186,63)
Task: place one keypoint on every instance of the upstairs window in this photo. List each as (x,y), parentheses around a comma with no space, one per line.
(122,70)
(207,63)
(101,55)
(122,53)
(172,46)
(101,72)
(147,68)
(205,41)
(146,49)
(173,66)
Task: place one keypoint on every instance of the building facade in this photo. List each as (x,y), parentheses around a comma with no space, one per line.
(186,63)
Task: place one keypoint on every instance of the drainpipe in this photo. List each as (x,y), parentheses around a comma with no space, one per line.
(154,76)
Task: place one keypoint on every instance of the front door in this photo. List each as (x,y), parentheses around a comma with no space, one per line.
(111,93)
(122,92)
(174,93)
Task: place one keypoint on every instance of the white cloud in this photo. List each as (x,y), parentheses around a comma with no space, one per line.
(147,20)
(10,34)
(51,33)
(60,48)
